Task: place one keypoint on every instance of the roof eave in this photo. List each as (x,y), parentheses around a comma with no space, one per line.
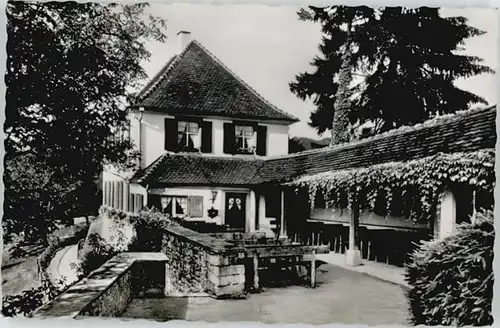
(291,119)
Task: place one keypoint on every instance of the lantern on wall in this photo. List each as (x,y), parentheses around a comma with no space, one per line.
(214,195)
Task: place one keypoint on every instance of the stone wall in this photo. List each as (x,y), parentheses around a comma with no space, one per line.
(108,290)
(113,300)
(200,263)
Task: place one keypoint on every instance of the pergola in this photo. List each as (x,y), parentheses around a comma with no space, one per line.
(429,179)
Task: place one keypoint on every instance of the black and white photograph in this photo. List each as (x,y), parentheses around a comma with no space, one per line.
(225,162)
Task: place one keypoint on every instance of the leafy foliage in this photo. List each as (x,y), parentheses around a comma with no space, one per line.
(30,300)
(98,252)
(452,280)
(418,183)
(403,64)
(70,67)
(36,196)
(149,225)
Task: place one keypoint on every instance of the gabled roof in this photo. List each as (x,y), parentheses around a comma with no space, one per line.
(465,132)
(195,82)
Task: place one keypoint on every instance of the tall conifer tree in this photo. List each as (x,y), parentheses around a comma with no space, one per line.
(403,65)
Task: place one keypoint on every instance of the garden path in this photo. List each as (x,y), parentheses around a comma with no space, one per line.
(60,266)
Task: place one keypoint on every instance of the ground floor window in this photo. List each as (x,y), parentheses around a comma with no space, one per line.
(176,206)
(467,200)
(135,202)
(182,206)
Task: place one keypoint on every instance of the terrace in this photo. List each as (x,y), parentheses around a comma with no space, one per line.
(135,285)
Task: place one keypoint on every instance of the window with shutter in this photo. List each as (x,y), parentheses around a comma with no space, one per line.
(188,136)
(244,139)
(195,206)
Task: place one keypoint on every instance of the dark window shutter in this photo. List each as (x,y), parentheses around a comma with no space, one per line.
(195,206)
(261,140)
(170,134)
(206,137)
(229,138)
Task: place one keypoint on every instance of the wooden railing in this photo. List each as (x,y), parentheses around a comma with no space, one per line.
(388,245)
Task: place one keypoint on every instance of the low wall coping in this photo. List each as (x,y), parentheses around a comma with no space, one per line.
(72,301)
(205,240)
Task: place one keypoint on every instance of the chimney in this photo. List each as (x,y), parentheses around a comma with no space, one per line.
(184,38)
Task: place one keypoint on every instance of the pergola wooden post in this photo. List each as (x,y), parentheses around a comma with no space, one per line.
(256,271)
(353,255)
(282,214)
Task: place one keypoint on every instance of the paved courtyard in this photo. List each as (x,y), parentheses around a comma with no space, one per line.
(341,296)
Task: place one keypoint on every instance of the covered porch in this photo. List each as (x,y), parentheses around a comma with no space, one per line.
(380,213)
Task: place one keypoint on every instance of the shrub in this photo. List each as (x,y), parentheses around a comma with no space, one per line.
(149,226)
(96,254)
(452,280)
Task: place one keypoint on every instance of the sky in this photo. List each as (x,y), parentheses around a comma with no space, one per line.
(267,46)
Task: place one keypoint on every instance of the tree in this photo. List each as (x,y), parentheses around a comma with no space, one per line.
(402,67)
(70,67)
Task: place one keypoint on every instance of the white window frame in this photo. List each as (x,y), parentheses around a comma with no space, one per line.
(245,137)
(174,208)
(188,134)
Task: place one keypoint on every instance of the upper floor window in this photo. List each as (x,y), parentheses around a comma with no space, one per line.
(245,139)
(183,134)
(188,136)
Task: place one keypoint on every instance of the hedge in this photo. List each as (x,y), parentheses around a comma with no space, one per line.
(451,280)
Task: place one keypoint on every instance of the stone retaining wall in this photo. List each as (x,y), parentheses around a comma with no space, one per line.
(114,299)
(200,263)
(107,291)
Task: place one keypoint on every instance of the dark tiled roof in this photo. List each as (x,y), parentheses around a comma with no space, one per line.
(464,132)
(469,131)
(197,83)
(197,169)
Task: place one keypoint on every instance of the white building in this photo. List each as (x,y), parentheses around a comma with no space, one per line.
(197,115)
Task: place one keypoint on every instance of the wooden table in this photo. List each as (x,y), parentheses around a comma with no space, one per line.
(284,250)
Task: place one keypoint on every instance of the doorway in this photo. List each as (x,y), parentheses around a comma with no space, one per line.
(235,213)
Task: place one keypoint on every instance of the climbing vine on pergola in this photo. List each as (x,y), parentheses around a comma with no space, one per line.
(417,183)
